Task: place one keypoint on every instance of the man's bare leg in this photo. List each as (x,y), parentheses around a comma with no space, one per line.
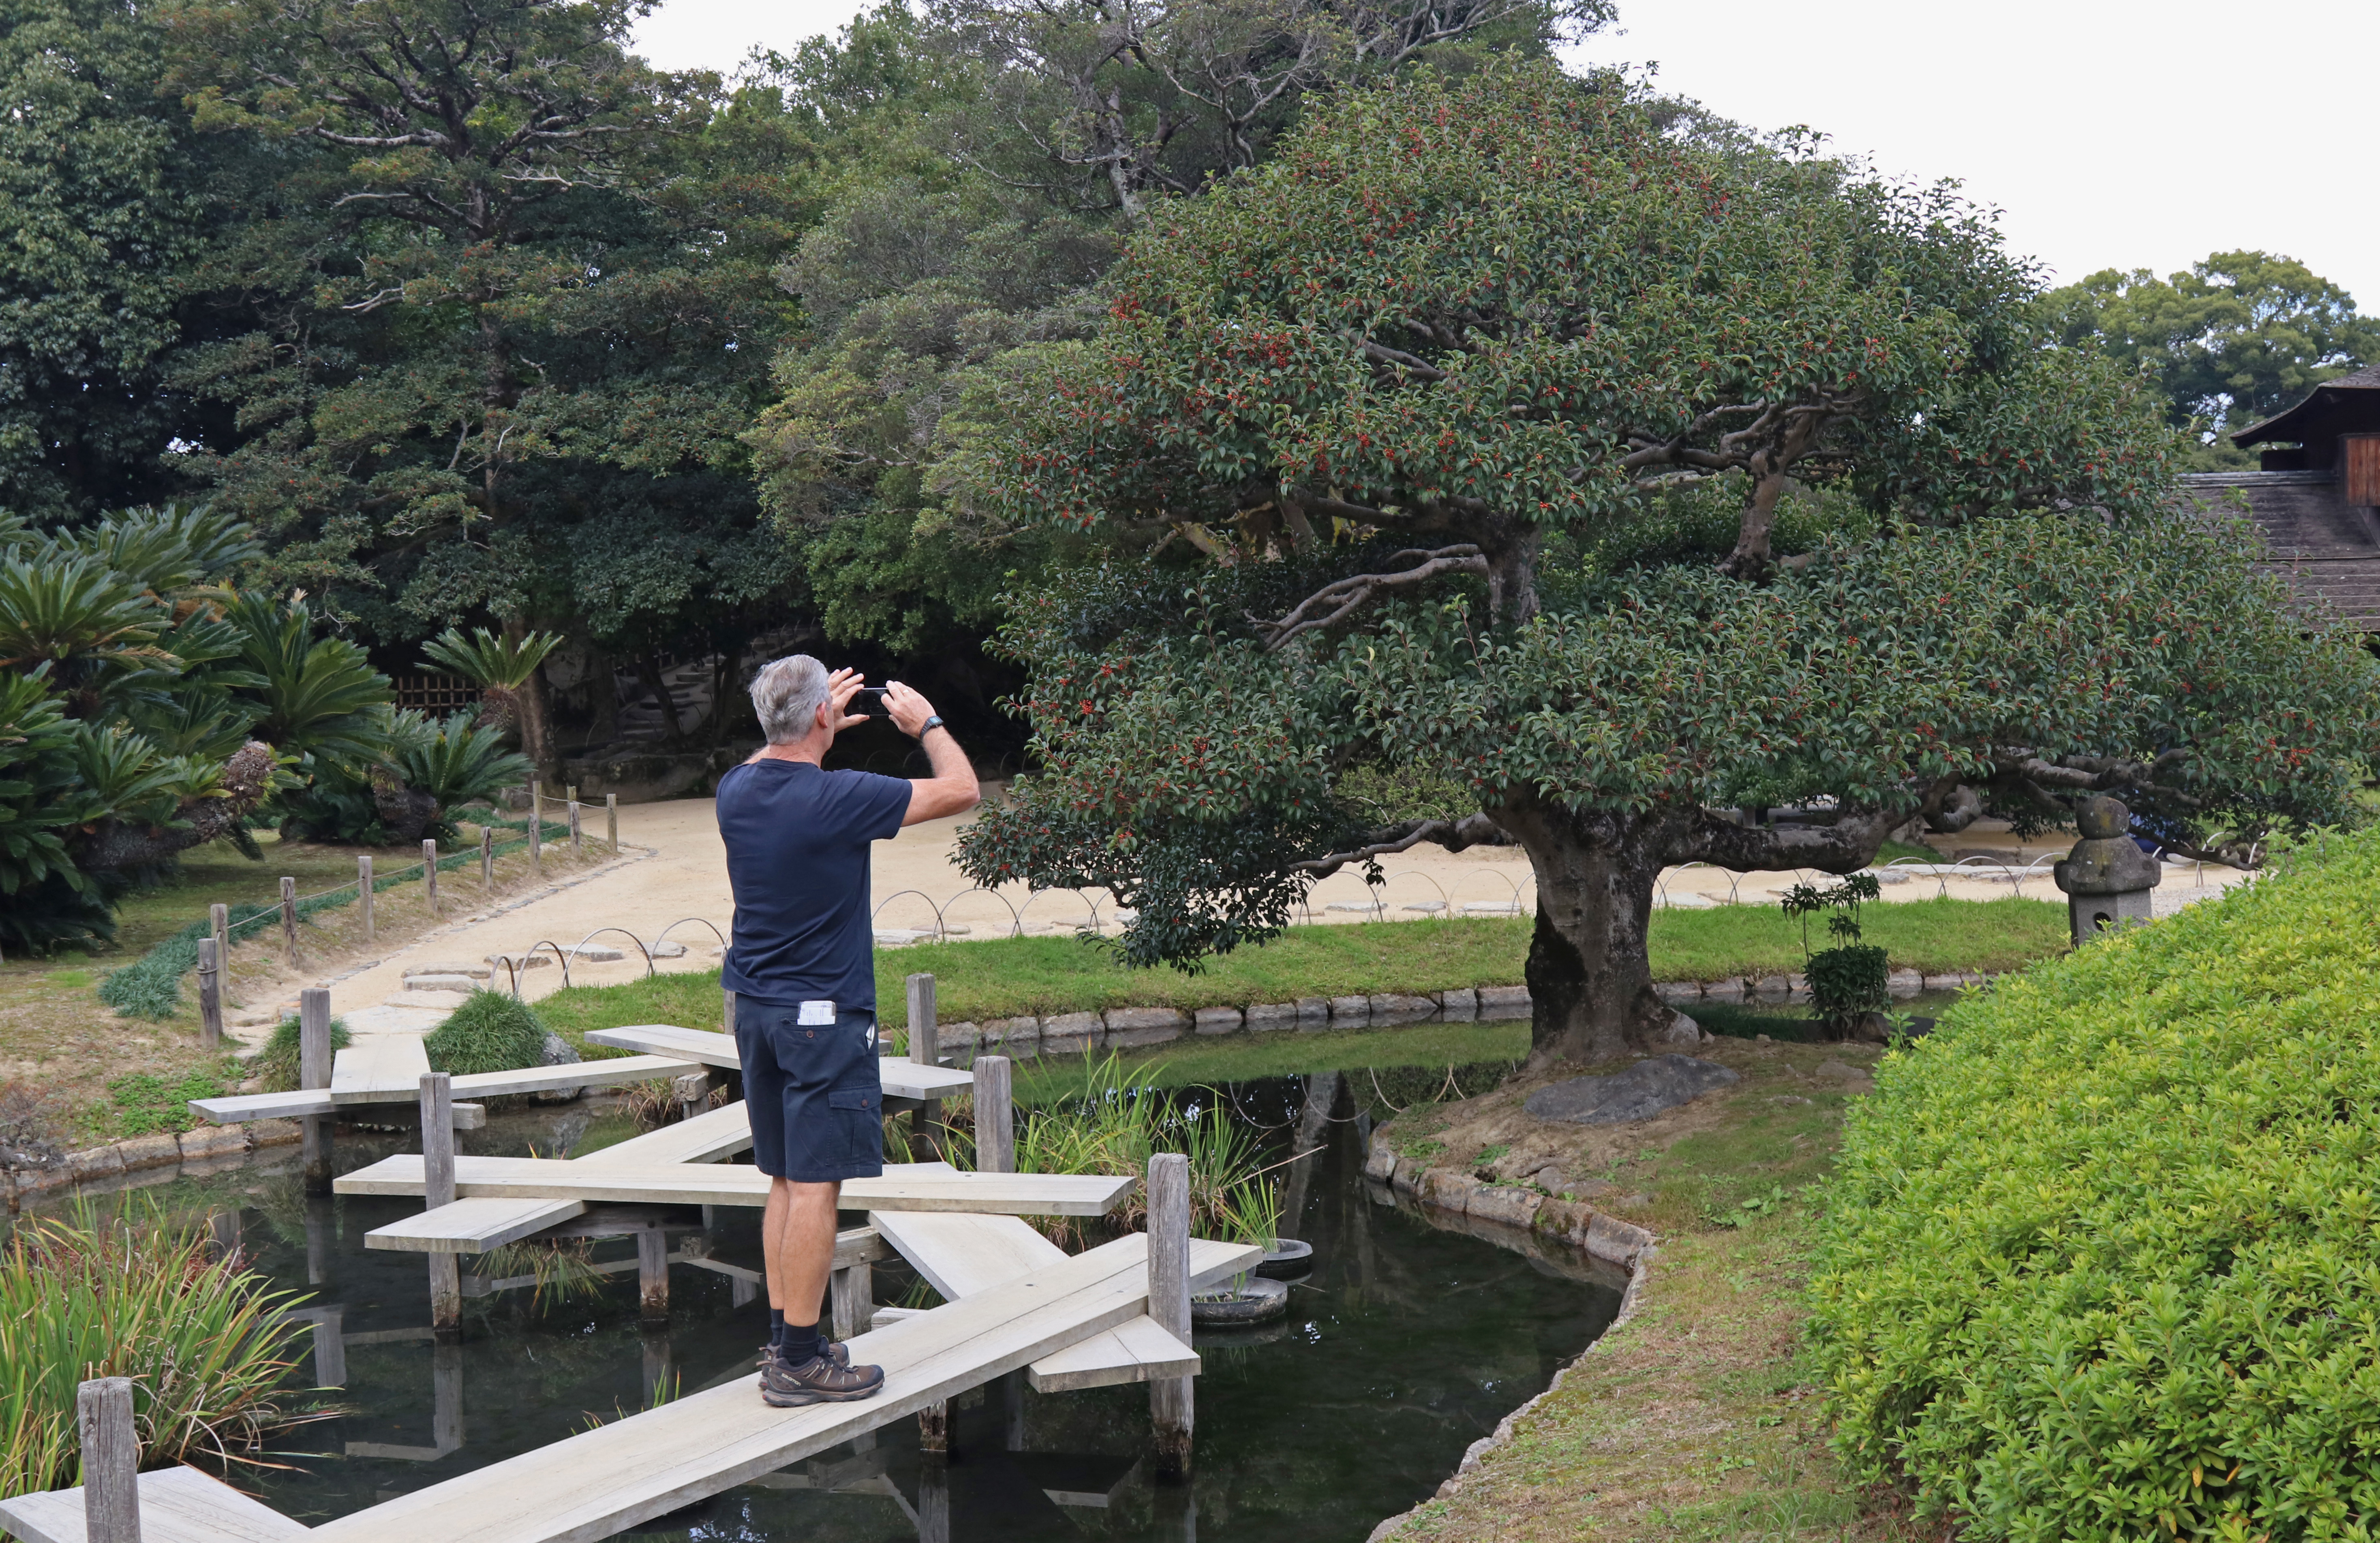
(797,1245)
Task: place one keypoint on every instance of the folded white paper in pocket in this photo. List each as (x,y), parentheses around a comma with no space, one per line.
(817,1012)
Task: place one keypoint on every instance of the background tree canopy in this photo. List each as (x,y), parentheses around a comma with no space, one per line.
(1386,441)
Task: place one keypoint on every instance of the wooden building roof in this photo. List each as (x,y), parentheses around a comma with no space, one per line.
(2329,549)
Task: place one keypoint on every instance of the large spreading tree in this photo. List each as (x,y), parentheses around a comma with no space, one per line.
(1407,448)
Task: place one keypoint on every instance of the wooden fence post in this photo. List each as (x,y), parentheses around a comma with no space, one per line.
(577,848)
(429,872)
(488,858)
(536,829)
(111,1459)
(612,821)
(1170,1406)
(995,1116)
(289,920)
(314,1071)
(364,892)
(437,1190)
(219,921)
(210,994)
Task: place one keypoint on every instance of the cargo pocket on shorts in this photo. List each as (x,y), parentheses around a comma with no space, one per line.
(860,1112)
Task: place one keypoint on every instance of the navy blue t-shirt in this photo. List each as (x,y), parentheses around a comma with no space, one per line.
(798,841)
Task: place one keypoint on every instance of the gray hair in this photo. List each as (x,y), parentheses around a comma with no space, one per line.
(787,693)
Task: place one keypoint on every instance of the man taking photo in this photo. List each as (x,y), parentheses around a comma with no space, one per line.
(802,966)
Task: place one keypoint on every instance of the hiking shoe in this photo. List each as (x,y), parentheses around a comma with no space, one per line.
(817,1380)
(833,1350)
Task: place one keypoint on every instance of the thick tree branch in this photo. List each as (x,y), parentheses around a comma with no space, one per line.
(1336,600)
(1472,830)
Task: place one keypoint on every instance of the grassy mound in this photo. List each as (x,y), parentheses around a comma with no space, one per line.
(2102,1262)
(277,1061)
(489,1032)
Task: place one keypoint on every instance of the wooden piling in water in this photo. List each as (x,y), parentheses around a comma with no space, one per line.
(652,1275)
(1170,1408)
(111,1459)
(995,1116)
(314,1072)
(437,1190)
(289,922)
(210,994)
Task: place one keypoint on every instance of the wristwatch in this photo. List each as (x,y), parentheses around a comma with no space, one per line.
(933,721)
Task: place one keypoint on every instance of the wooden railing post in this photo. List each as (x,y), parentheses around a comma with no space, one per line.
(537,828)
(995,1116)
(364,892)
(210,994)
(219,922)
(289,920)
(577,847)
(314,1072)
(429,872)
(111,1459)
(612,821)
(1171,1409)
(437,1190)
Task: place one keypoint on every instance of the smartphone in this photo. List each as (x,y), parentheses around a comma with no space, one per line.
(869,703)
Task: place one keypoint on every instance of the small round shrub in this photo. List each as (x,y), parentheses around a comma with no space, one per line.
(2103,1257)
(491,1032)
(277,1061)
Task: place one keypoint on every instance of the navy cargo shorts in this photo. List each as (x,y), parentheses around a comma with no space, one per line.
(816,1099)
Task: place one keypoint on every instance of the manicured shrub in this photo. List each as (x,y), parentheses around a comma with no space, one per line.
(491,1032)
(2103,1258)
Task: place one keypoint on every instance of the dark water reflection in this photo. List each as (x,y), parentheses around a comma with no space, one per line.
(1406,1344)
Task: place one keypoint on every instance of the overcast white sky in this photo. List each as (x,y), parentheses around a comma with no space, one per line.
(2113,133)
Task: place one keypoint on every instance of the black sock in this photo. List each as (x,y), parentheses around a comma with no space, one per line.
(800,1345)
(776,1326)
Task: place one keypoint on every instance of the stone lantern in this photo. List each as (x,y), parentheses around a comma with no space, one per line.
(2106,877)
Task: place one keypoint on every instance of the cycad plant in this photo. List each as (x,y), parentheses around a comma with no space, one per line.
(501,667)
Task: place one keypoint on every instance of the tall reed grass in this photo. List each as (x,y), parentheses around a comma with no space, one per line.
(202,1339)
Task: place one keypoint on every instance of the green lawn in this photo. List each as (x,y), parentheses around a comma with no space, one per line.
(1010,977)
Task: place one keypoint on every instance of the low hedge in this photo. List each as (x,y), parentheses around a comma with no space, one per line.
(2102,1259)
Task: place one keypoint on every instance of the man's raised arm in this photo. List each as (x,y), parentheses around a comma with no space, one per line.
(951,789)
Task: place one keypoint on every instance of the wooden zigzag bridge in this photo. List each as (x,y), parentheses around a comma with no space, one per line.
(1013,1301)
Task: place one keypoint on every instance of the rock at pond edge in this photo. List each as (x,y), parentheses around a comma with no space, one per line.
(1644,1089)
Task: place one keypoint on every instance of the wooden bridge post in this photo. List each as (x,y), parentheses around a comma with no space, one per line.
(653,1276)
(210,994)
(313,1070)
(447,1392)
(612,821)
(933,1503)
(1169,1405)
(437,1190)
(925,1122)
(111,1459)
(488,858)
(693,1092)
(429,872)
(364,893)
(727,1011)
(331,1348)
(289,922)
(995,1116)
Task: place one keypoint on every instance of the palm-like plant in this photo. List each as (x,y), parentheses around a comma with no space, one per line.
(321,697)
(44,898)
(499,666)
(459,762)
(81,618)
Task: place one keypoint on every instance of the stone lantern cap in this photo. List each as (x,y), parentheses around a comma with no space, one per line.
(2107,860)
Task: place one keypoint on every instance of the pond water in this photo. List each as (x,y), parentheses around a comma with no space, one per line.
(1408,1342)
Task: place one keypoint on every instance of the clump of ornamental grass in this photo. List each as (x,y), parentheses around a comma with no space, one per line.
(201,1338)
(2102,1258)
(277,1062)
(491,1032)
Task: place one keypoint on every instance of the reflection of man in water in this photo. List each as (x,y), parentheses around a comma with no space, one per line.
(803,968)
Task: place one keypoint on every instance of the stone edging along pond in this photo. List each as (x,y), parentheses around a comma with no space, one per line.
(94,1166)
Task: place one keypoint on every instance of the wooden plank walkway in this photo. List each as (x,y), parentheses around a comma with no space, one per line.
(724,1184)
(962,1255)
(899,1078)
(380,1068)
(474,1085)
(606,1481)
(177,1505)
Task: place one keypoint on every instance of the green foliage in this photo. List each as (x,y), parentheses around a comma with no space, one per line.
(488,659)
(145,1103)
(2100,1261)
(491,1032)
(2233,340)
(277,1063)
(1847,979)
(202,1338)
(449,764)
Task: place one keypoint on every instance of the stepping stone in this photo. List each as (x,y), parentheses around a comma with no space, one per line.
(444,983)
(1642,1091)
(595,953)
(539,960)
(668,948)
(444,1001)
(448,966)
